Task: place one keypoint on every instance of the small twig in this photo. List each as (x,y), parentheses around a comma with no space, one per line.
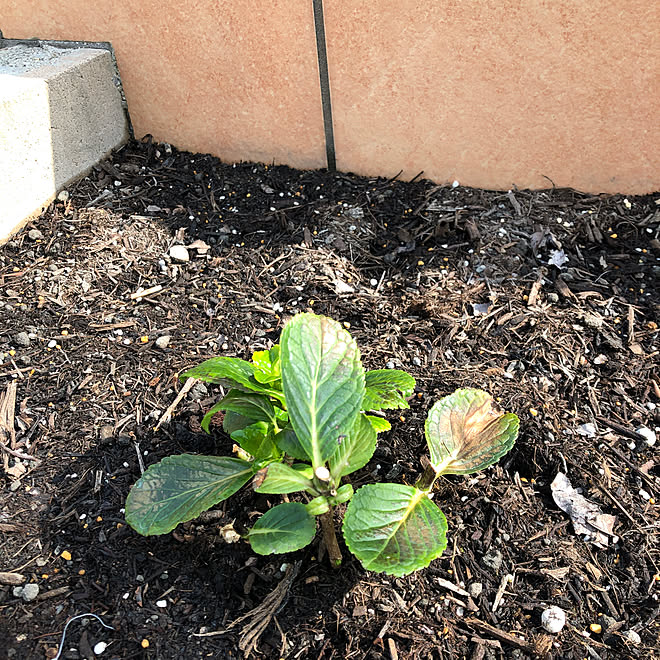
(146,292)
(391,647)
(506,580)
(501,635)
(18,454)
(168,413)
(139,456)
(11,578)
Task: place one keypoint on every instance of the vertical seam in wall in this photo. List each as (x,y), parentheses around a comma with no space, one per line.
(324,80)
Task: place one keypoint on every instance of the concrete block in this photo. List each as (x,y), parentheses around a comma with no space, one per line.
(60,113)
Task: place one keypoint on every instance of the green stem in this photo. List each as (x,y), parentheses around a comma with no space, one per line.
(426,481)
(330,538)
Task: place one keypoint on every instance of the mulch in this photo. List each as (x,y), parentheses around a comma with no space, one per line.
(547,299)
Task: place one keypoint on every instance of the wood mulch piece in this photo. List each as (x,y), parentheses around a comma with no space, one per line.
(547,299)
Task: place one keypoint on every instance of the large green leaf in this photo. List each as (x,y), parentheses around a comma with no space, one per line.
(284,528)
(281,478)
(257,439)
(355,450)
(323,381)
(466,433)
(267,365)
(394,529)
(179,488)
(387,389)
(230,372)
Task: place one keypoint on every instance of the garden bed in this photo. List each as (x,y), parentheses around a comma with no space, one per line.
(548,300)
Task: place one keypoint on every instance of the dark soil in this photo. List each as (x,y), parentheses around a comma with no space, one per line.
(451,284)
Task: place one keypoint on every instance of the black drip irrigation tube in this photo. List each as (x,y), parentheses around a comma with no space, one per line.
(324,79)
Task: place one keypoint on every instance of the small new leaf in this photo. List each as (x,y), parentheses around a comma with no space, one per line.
(281,478)
(387,389)
(257,440)
(379,424)
(466,433)
(284,528)
(267,365)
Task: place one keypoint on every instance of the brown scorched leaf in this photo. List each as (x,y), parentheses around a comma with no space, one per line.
(466,433)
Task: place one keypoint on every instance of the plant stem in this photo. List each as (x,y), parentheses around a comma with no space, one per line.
(426,481)
(330,538)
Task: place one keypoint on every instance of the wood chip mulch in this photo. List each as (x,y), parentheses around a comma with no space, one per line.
(547,299)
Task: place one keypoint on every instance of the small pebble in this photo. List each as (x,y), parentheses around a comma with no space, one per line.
(163,342)
(27,593)
(22,339)
(106,432)
(632,637)
(552,297)
(64,196)
(198,391)
(493,560)
(608,622)
(161,603)
(99,648)
(179,253)
(52,343)
(649,436)
(35,235)
(553,619)
(373,282)
(475,589)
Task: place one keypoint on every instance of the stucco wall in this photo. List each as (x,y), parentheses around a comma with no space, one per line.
(493,93)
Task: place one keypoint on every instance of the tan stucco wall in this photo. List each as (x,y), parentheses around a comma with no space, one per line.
(493,93)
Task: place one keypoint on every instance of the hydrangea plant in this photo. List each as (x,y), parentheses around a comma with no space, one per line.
(304,416)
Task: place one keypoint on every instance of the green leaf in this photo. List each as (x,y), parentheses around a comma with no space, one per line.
(281,478)
(229,372)
(179,488)
(288,442)
(355,450)
(343,495)
(394,529)
(206,421)
(379,424)
(255,407)
(257,439)
(387,389)
(267,365)
(323,381)
(284,528)
(318,506)
(251,407)
(233,421)
(466,433)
